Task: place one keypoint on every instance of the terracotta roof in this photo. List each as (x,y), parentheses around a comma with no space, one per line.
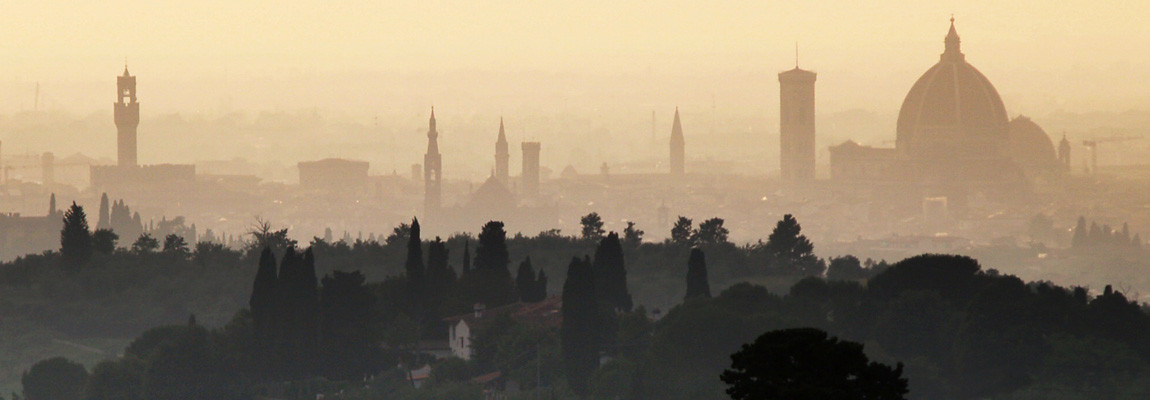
(547,313)
(488,377)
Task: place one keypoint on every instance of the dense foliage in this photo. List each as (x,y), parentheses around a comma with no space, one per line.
(283,331)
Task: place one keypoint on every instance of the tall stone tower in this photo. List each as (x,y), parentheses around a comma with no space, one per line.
(797,125)
(432,169)
(677,147)
(127,114)
(1064,153)
(501,156)
(530,168)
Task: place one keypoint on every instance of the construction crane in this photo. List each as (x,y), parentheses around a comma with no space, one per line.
(1093,143)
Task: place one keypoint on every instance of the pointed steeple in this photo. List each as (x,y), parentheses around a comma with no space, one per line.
(953,51)
(678,155)
(431,124)
(502,156)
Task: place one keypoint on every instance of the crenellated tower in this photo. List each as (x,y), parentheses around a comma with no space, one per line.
(127,116)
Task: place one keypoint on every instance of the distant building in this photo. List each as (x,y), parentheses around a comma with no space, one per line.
(127,115)
(20,235)
(502,156)
(127,176)
(333,174)
(797,125)
(462,328)
(531,173)
(1064,153)
(678,147)
(953,138)
(432,169)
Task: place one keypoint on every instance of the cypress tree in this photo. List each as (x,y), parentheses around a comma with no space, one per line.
(580,332)
(440,275)
(263,301)
(491,254)
(310,310)
(611,274)
(416,274)
(105,221)
(490,282)
(466,257)
(525,281)
(75,239)
(1080,233)
(541,286)
(697,283)
(289,336)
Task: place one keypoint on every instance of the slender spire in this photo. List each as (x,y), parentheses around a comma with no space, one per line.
(502,136)
(953,50)
(431,132)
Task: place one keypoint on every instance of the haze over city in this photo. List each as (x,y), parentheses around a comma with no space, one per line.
(255,200)
(607,64)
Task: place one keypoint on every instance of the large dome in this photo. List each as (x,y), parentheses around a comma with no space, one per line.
(952,111)
(1029,144)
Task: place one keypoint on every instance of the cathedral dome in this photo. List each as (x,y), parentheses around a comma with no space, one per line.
(952,111)
(1029,144)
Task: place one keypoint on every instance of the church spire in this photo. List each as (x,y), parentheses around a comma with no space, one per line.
(431,132)
(677,146)
(953,50)
(502,156)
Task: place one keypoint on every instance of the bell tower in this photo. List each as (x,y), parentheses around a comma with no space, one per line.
(797,125)
(127,116)
(432,168)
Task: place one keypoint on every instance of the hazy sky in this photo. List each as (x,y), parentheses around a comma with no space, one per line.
(1042,55)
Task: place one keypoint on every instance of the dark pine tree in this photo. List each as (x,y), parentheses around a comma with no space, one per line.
(790,250)
(104,241)
(525,281)
(350,346)
(697,284)
(491,254)
(804,363)
(75,239)
(490,282)
(582,321)
(611,274)
(683,232)
(440,274)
